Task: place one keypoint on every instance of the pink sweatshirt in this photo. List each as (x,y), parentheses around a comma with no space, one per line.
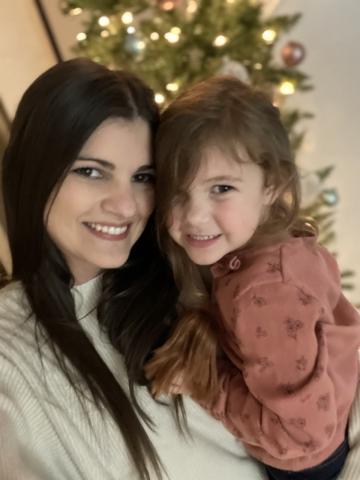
(292,340)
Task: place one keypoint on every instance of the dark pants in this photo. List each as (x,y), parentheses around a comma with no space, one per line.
(328,470)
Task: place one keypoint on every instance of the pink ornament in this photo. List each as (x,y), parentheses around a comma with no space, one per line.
(293,53)
(168,5)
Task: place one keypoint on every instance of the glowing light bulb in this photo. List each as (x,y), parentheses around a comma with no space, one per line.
(131,29)
(105,34)
(154,36)
(140,45)
(172,87)
(75,11)
(269,36)
(258,66)
(171,37)
(80,37)
(175,30)
(159,98)
(192,6)
(104,21)
(287,88)
(220,41)
(127,18)
(168,5)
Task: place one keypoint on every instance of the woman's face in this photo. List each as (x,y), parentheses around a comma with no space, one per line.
(102,206)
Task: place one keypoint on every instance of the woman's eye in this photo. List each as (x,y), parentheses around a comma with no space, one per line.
(218,189)
(144,178)
(88,172)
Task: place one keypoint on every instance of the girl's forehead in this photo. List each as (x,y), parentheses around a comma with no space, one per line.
(216,164)
(230,157)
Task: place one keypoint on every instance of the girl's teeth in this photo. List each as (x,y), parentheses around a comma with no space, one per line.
(109,230)
(203,237)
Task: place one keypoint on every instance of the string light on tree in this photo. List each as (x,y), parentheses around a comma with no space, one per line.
(166,5)
(104,21)
(81,36)
(172,37)
(172,87)
(269,36)
(220,41)
(154,36)
(127,18)
(159,98)
(75,11)
(287,88)
(192,7)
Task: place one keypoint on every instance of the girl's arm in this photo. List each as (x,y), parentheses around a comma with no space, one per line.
(351,469)
(277,394)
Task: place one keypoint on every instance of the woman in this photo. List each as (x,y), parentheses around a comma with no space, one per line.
(78,191)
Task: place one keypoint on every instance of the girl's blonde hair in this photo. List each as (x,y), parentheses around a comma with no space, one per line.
(222,113)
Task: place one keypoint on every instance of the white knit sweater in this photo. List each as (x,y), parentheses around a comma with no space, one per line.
(44,434)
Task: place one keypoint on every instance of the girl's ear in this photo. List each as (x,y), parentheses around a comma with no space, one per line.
(270,195)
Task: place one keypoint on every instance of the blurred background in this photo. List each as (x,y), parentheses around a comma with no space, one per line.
(304,53)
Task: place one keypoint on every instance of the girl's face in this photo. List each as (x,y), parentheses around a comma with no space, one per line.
(222,208)
(102,206)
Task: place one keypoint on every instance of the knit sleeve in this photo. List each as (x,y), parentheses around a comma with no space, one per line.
(280,397)
(16,461)
(13,465)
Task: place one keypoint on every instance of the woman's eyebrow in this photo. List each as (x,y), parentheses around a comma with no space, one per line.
(103,163)
(111,166)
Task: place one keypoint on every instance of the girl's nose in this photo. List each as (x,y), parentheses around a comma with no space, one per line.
(196,212)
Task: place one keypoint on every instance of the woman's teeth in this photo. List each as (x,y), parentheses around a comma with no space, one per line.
(110,230)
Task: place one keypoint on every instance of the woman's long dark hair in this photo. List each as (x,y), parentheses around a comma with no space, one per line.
(55,117)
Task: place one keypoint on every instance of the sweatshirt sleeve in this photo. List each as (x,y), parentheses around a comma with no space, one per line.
(351,469)
(277,395)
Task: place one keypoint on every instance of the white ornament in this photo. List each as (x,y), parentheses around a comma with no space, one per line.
(310,189)
(234,68)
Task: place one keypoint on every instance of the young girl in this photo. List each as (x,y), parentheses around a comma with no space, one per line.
(228,206)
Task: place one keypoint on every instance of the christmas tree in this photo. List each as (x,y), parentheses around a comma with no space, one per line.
(173,44)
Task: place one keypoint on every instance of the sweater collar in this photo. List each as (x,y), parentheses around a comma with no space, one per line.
(86,296)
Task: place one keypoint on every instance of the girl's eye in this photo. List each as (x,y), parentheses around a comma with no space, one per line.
(88,172)
(144,178)
(219,189)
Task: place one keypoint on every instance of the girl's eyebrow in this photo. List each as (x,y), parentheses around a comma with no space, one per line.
(224,178)
(111,166)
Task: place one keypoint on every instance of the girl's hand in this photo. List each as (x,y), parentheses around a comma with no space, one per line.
(178,386)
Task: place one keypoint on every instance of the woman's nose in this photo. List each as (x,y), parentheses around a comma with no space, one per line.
(120,201)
